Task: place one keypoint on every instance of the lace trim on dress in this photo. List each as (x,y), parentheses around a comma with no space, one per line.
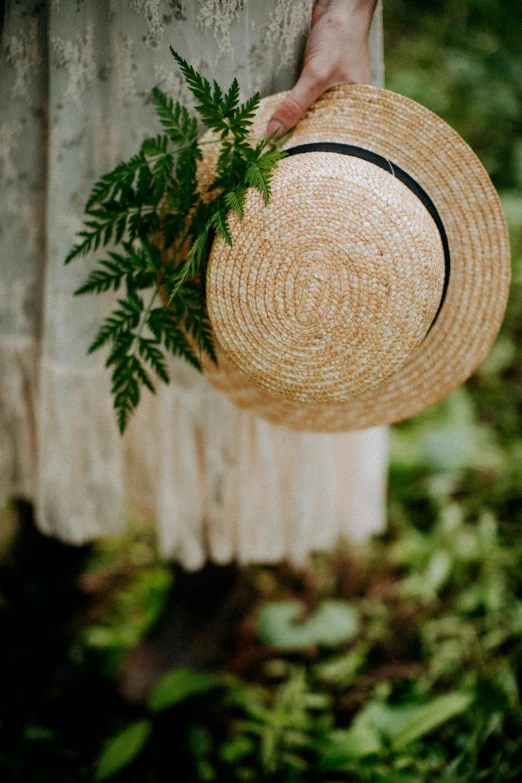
(78,59)
(152,15)
(289,21)
(9,137)
(23,53)
(219,14)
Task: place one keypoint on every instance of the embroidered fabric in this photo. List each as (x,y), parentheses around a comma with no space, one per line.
(75,82)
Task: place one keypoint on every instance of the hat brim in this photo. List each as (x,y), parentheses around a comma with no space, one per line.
(426,147)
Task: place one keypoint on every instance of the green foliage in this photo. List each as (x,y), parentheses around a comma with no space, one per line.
(151,207)
(333,623)
(122,749)
(180,127)
(462,59)
(425,686)
(281,725)
(141,586)
(179,685)
(378,726)
(175,687)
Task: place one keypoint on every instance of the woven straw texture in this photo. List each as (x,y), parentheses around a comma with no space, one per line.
(320,309)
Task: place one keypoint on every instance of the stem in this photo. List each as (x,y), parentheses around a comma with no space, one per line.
(181,241)
(277,143)
(149,308)
(283,138)
(145,316)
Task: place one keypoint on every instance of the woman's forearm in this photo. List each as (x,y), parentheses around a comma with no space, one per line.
(358,13)
(336,53)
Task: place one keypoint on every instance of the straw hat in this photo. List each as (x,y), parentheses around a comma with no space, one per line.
(373,282)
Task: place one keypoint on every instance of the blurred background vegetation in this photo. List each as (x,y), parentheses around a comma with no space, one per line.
(406,663)
(463,60)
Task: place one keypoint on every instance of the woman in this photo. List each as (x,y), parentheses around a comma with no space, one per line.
(223,486)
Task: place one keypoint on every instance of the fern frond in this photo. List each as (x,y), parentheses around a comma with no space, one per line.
(234,200)
(209,107)
(186,168)
(180,127)
(231,98)
(196,318)
(100,280)
(155,194)
(166,328)
(259,179)
(118,180)
(195,259)
(152,354)
(244,115)
(127,317)
(219,223)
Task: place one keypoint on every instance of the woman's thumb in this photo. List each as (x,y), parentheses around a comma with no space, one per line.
(305,92)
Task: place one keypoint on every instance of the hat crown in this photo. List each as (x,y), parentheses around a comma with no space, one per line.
(328,288)
(312,286)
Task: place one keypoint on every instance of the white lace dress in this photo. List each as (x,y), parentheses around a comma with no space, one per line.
(75,81)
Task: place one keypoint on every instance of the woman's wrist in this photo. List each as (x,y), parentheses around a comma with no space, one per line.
(355,15)
(344,25)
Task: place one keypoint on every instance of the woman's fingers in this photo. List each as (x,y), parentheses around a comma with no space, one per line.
(306,90)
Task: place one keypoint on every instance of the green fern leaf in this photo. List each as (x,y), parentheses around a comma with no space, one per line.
(127,317)
(235,200)
(219,222)
(153,355)
(195,260)
(231,98)
(118,180)
(143,376)
(244,115)
(256,177)
(178,124)
(101,280)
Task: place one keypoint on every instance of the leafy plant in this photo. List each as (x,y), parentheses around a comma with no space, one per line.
(176,686)
(150,206)
(378,726)
(333,623)
(281,724)
(122,749)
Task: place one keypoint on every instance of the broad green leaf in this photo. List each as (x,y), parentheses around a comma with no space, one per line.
(360,740)
(373,724)
(342,670)
(178,685)
(333,623)
(424,719)
(438,569)
(122,749)
(378,725)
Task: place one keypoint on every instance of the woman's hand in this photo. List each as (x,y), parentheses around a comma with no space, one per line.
(336,53)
